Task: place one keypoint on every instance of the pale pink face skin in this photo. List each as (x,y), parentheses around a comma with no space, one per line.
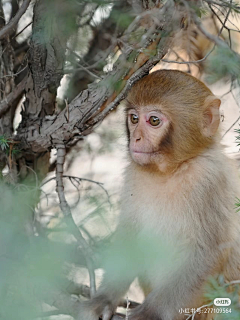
(146,135)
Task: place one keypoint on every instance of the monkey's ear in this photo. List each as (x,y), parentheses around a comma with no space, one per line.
(211,116)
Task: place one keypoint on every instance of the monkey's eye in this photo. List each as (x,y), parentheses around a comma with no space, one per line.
(134,118)
(154,121)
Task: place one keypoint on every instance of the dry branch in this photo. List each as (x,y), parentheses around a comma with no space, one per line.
(5,31)
(63,128)
(215,39)
(92,105)
(85,292)
(7,102)
(66,210)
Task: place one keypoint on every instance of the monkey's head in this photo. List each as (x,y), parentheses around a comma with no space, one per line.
(171,117)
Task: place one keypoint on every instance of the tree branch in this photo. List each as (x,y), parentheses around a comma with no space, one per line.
(7,102)
(5,31)
(66,210)
(93,104)
(210,36)
(83,290)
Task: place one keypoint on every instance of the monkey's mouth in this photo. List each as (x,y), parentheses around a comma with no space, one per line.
(144,152)
(144,157)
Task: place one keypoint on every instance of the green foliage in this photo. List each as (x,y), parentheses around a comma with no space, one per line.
(217,288)
(58,21)
(126,255)
(13,249)
(234,5)
(200,11)
(4,143)
(5,146)
(222,63)
(123,20)
(32,266)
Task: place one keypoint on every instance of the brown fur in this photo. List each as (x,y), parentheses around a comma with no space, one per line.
(184,108)
(177,214)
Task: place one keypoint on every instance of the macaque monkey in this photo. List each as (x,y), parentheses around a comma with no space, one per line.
(178,225)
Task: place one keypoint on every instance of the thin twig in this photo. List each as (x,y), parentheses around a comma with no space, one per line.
(226,93)
(100,184)
(67,176)
(192,316)
(14,74)
(210,36)
(190,62)
(67,108)
(66,210)
(231,91)
(16,35)
(223,4)
(181,59)
(235,122)
(81,67)
(216,15)
(84,291)
(232,283)
(36,177)
(237,29)
(225,21)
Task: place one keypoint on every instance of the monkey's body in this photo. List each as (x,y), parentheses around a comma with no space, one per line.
(204,244)
(178,225)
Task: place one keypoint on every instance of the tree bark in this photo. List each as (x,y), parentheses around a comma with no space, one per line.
(45,62)
(92,105)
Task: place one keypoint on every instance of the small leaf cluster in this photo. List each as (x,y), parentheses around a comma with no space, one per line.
(219,288)
(4,143)
(5,146)
(223,63)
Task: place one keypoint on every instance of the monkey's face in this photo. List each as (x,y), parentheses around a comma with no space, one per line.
(148,128)
(171,118)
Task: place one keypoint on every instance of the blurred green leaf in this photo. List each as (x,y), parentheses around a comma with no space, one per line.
(4,143)
(223,62)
